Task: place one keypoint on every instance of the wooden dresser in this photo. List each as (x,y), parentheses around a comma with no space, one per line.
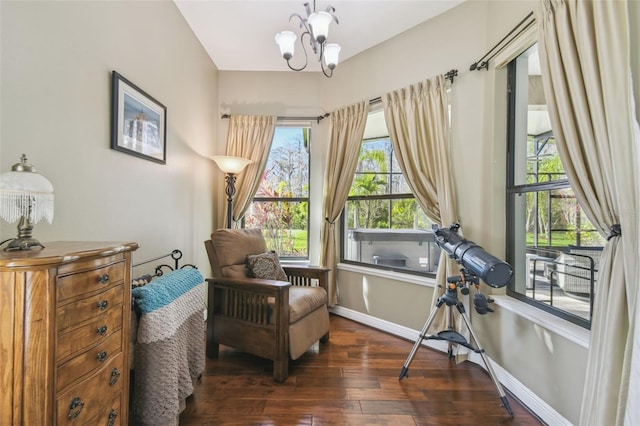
(64,334)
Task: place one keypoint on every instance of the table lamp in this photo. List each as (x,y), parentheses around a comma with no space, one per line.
(26,197)
(231,166)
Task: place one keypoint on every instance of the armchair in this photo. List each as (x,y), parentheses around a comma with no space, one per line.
(272,319)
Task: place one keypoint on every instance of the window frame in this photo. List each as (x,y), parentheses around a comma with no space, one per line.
(391,196)
(514,190)
(306,199)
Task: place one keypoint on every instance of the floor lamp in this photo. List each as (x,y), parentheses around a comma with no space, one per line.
(230,166)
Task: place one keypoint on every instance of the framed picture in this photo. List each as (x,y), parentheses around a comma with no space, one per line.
(138,122)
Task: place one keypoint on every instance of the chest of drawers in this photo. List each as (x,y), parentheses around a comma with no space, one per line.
(64,334)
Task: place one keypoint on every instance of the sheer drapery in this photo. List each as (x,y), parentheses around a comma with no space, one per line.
(345,139)
(586,71)
(249,137)
(417,120)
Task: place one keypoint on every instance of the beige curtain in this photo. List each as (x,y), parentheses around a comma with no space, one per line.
(345,138)
(249,137)
(417,119)
(584,55)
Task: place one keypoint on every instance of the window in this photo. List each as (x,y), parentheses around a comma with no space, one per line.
(382,222)
(552,246)
(281,205)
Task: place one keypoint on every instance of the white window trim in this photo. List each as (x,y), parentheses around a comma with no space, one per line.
(391,275)
(572,332)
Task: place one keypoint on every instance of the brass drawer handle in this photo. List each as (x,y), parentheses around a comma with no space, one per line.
(75,408)
(103,304)
(102,330)
(112,417)
(103,279)
(115,376)
(101,356)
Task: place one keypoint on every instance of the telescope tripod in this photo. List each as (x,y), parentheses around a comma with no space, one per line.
(450,299)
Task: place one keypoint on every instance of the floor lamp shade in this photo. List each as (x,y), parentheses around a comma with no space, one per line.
(230,166)
(233,165)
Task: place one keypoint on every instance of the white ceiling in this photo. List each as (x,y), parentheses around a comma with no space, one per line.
(239,34)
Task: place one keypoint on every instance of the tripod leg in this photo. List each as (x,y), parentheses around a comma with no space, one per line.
(423,334)
(503,396)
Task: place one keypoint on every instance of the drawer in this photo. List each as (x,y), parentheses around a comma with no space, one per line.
(110,415)
(73,314)
(93,397)
(89,361)
(74,340)
(73,285)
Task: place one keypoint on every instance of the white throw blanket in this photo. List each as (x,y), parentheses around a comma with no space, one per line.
(169,350)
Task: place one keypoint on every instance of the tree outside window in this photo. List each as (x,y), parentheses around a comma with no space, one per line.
(281,205)
(383,226)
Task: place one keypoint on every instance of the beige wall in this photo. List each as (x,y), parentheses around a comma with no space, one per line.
(57,59)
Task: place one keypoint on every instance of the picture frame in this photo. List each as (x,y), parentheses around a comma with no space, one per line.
(138,121)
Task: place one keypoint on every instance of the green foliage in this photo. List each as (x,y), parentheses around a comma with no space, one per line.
(373,178)
(286,176)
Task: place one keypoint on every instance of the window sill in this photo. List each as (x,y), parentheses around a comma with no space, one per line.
(392,275)
(566,329)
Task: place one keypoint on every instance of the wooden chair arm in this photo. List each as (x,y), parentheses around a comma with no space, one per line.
(270,287)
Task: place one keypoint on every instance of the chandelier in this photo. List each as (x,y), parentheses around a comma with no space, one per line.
(316,28)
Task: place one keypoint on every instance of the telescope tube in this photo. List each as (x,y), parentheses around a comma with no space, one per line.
(493,271)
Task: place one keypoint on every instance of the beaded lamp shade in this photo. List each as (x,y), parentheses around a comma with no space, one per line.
(27,197)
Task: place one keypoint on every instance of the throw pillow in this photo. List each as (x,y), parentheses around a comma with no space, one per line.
(266,266)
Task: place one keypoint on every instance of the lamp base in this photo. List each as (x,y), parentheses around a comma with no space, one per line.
(23,243)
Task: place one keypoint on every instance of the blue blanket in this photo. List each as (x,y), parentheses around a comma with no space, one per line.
(165,289)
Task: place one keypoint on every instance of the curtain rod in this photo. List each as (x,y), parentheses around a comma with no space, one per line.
(449,75)
(483,63)
(293,118)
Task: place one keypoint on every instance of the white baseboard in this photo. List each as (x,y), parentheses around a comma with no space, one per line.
(541,409)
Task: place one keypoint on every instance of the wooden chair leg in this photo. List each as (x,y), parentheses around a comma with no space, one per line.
(281,368)
(212,349)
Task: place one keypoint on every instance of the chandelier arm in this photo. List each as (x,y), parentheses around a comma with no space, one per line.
(303,21)
(306,57)
(324,70)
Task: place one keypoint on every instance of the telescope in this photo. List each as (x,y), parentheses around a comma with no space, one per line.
(493,271)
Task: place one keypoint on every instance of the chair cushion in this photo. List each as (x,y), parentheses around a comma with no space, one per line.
(232,247)
(266,266)
(304,300)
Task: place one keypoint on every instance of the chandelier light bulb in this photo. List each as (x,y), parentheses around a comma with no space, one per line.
(331,55)
(319,23)
(286,41)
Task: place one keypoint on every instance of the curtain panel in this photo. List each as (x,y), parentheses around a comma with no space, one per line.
(249,137)
(418,124)
(586,72)
(345,138)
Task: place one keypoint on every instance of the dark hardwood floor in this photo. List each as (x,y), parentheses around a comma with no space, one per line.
(352,380)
